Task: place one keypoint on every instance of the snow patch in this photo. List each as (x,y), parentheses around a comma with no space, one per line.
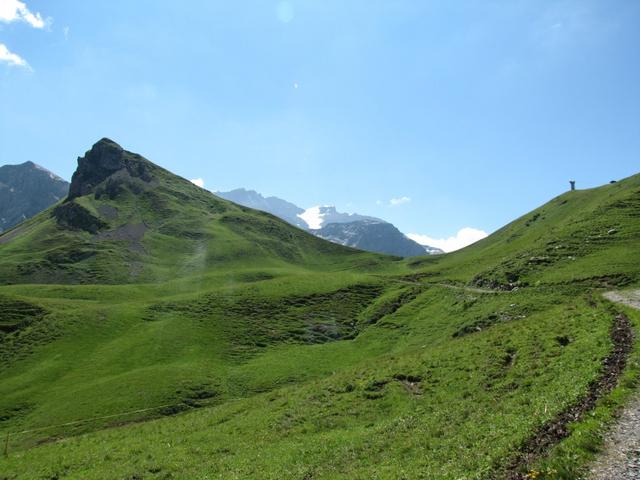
(313,217)
(319,216)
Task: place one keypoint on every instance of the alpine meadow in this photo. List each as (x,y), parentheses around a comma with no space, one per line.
(319,240)
(153,330)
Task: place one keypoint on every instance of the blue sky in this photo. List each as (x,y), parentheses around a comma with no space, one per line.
(472,112)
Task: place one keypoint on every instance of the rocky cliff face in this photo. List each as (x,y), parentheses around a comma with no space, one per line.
(26,190)
(105,171)
(108,161)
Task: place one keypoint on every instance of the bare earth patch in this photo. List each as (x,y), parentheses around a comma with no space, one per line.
(132,233)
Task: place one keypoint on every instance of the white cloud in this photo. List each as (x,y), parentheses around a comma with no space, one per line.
(15,10)
(399,201)
(12,58)
(465,236)
(198,181)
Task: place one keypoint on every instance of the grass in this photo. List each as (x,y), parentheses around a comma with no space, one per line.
(273,354)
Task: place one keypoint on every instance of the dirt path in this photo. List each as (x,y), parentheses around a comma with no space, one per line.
(444,285)
(557,429)
(466,288)
(621,456)
(630,298)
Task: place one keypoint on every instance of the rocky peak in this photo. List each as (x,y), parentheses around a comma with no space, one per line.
(105,159)
(25,190)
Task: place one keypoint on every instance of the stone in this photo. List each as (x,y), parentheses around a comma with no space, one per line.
(106,159)
(76,217)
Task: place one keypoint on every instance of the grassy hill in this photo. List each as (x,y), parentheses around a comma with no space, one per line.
(128,220)
(587,236)
(153,330)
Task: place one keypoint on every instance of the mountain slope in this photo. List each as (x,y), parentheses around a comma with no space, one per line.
(372,236)
(584,235)
(351,229)
(26,190)
(273,205)
(127,219)
(306,359)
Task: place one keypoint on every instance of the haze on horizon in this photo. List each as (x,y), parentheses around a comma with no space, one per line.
(448,119)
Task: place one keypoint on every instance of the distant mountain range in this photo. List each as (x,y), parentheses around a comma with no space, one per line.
(371,235)
(273,205)
(350,229)
(26,190)
(321,216)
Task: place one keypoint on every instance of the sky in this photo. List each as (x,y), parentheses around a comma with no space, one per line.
(447,118)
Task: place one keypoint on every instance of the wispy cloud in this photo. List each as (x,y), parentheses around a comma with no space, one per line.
(10,58)
(198,181)
(465,236)
(15,10)
(394,202)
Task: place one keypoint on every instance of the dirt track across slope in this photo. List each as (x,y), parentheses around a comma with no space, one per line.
(621,456)
(557,429)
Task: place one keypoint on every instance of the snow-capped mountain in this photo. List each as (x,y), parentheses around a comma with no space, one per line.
(372,235)
(318,217)
(350,229)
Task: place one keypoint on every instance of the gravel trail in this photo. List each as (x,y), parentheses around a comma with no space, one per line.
(620,458)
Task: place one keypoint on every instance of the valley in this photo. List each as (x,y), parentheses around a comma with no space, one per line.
(153,330)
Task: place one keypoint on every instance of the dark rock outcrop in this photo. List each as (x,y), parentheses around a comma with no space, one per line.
(76,217)
(108,161)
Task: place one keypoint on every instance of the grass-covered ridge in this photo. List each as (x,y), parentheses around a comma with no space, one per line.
(246,348)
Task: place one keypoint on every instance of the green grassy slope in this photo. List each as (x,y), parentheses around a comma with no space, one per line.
(152,227)
(583,235)
(240,347)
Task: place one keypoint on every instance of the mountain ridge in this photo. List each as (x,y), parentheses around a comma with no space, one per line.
(25,190)
(373,234)
(114,193)
(107,159)
(274,205)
